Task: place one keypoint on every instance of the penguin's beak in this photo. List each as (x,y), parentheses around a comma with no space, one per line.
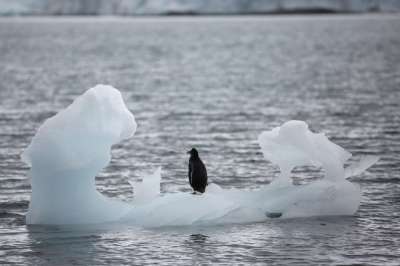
(188,152)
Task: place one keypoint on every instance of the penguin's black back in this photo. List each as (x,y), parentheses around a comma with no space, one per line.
(197,172)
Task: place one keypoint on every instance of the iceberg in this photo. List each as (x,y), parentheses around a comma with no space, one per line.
(73,146)
(67,152)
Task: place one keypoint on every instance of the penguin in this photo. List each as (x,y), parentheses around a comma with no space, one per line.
(197,172)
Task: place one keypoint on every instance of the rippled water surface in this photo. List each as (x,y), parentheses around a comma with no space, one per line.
(213,83)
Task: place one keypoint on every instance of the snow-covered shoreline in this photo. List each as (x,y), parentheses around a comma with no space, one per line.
(192,7)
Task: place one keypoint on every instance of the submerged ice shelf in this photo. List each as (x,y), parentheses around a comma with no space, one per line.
(73,146)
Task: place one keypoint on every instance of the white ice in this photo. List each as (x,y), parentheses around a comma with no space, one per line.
(148,189)
(70,148)
(68,151)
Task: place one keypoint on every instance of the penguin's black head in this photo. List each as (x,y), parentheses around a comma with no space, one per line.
(193,152)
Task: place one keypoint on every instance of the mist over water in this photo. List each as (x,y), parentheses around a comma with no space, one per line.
(213,83)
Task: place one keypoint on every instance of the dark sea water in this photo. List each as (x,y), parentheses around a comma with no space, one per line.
(214,83)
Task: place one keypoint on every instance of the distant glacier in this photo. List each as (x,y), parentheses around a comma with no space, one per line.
(200,7)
